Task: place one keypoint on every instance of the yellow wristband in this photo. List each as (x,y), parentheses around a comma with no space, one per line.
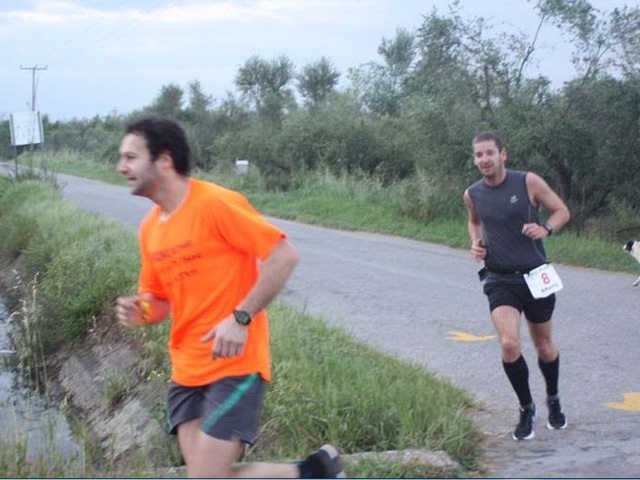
(145,307)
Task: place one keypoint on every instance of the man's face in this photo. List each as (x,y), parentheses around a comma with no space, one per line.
(135,164)
(488,159)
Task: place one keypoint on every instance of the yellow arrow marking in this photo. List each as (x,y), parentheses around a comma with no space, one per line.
(468,337)
(631,403)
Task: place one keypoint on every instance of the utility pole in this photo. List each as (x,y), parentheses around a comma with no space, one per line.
(33,83)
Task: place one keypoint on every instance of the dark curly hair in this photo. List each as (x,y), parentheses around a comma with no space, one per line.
(164,135)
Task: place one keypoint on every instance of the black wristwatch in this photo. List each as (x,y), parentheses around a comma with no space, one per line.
(548,228)
(242,317)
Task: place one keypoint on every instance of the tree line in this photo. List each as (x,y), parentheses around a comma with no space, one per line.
(414,111)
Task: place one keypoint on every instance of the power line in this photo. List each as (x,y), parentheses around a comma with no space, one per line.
(85,30)
(33,82)
(157,7)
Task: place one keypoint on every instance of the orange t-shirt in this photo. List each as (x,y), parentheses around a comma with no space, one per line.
(204,259)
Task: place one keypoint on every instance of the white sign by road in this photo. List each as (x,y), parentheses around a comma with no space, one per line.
(26,128)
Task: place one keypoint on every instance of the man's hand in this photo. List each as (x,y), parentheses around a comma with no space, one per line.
(534,231)
(129,311)
(478,252)
(229,338)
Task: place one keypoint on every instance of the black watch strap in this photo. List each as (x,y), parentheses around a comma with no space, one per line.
(548,228)
(242,317)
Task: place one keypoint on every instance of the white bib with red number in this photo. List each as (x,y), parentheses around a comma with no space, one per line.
(543,281)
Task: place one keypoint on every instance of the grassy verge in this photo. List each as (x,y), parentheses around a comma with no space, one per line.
(316,397)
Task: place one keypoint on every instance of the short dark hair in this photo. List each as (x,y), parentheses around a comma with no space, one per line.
(164,135)
(488,137)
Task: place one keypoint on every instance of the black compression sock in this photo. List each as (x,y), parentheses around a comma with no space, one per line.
(518,374)
(550,372)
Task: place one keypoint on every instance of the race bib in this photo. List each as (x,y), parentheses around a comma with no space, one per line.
(543,281)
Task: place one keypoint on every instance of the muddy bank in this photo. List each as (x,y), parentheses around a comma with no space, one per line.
(98,378)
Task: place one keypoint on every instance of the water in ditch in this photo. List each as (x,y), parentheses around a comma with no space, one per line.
(34,428)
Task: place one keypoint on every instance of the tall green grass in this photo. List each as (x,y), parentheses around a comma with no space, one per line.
(356,397)
(415,208)
(82,260)
(72,162)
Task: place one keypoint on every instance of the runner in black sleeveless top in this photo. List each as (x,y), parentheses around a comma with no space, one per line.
(506,233)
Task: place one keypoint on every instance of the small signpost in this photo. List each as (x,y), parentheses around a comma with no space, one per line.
(242,166)
(26,129)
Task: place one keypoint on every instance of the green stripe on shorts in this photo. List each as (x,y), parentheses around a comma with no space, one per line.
(229,403)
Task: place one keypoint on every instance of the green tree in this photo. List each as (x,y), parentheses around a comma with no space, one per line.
(624,33)
(199,102)
(381,86)
(266,85)
(230,121)
(602,44)
(595,149)
(169,102)
(199,125)
(337,136)
(317,82)
(231,116)
(574,133)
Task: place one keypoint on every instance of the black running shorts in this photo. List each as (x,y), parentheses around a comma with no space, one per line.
(519,297)
(229,408)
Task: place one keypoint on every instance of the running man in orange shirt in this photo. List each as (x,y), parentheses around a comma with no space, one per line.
(213,262)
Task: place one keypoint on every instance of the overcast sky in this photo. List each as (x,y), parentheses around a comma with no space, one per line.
(103,56)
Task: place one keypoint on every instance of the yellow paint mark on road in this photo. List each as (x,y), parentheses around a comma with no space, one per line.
(631,403)
(469,337)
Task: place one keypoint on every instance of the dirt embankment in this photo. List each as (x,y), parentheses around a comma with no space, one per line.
(98,378)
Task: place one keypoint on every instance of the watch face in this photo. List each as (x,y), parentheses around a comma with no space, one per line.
(242,317)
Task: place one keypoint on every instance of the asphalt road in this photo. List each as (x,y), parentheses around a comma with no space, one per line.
(409,298)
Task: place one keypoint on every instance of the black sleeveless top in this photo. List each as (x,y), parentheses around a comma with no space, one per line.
(503,210)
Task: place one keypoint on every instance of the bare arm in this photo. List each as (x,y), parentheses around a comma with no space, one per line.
(540,193)
(474,226)
(274,273)
(230,337)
